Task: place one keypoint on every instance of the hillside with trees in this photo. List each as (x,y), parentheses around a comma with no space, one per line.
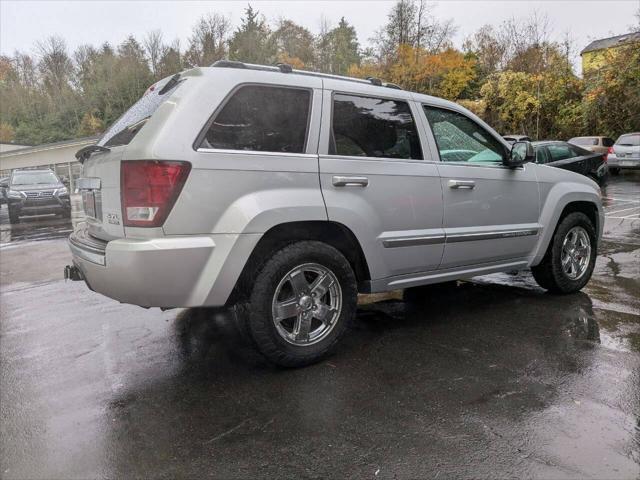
(512,75)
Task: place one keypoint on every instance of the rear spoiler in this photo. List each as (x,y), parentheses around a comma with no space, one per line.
(85,152)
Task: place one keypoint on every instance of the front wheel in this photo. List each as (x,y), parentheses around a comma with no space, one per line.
(568,264)
(301,303)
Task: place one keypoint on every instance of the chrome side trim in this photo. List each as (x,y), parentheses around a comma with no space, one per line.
(425,278)
(470,237)
(88,183)
(256,152)
(413,241)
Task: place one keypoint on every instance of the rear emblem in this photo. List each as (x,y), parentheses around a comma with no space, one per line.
(113,218)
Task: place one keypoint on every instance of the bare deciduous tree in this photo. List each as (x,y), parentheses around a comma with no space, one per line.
(209,39)
(154,48)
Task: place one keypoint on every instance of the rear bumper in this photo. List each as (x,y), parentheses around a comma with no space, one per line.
(630,163)
(38,207)
(180,271)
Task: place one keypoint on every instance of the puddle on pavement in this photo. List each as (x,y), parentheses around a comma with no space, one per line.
(38,227)
(606,314)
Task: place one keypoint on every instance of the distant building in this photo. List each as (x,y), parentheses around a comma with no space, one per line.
(59,156)
(594,55)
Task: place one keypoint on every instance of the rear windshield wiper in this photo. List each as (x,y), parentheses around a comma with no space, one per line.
(170,84)
(85,152)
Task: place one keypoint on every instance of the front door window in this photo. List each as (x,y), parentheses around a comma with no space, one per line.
(460,139)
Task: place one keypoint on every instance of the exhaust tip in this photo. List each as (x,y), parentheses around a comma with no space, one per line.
(73,273)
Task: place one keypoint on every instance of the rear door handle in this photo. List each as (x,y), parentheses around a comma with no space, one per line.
(462,184)
(349,181)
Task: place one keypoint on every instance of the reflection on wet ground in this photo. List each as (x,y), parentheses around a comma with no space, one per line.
(490,378)
(39,227)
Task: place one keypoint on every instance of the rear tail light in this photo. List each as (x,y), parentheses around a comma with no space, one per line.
(149,188)
(606,156)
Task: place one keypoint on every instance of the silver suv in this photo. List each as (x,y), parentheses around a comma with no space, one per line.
(625,153)
(288,192)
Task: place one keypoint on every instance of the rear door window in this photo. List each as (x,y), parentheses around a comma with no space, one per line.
(578,151)
(559,151)
(541,154)
(262,118)
(373,127)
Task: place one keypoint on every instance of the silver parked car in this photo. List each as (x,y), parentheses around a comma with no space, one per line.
(286,193)
(625,153)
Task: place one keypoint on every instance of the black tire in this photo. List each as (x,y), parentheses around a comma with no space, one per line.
(258,313)
(13,216)
(549,273)
(614,171)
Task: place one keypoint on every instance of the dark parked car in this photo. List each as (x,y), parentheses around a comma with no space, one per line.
(571,157)
(36,192)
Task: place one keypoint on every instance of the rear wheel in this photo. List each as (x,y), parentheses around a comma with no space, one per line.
(568,264)
(301,303)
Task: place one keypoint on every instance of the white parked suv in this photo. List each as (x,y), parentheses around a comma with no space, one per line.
(288,192)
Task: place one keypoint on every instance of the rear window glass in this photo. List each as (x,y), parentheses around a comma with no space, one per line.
(584,141)
(129,124)
(632,140)
(262,118)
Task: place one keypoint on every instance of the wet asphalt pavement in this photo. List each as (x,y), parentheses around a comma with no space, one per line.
(492,378)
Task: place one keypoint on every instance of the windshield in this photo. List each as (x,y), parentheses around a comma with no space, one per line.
(131,122)
(632,140)
(584,141)
(33,178)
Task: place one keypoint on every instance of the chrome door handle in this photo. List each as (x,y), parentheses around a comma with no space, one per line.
(462,184)
(349,181)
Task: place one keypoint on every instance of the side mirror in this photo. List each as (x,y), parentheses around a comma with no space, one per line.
(4,184)
(521,153)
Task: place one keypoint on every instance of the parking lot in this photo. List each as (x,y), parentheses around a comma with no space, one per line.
(492,378)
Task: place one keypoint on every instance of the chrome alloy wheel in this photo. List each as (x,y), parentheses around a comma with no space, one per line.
(576,253)
(306,304)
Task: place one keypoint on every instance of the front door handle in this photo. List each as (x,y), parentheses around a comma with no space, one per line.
(349,181)
(462,184)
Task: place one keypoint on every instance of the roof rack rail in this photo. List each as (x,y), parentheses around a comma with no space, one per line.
(286,68)
(228,64)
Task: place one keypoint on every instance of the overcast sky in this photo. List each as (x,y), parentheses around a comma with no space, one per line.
(24,22)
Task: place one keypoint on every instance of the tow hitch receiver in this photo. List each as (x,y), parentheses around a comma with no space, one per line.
(71,272)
